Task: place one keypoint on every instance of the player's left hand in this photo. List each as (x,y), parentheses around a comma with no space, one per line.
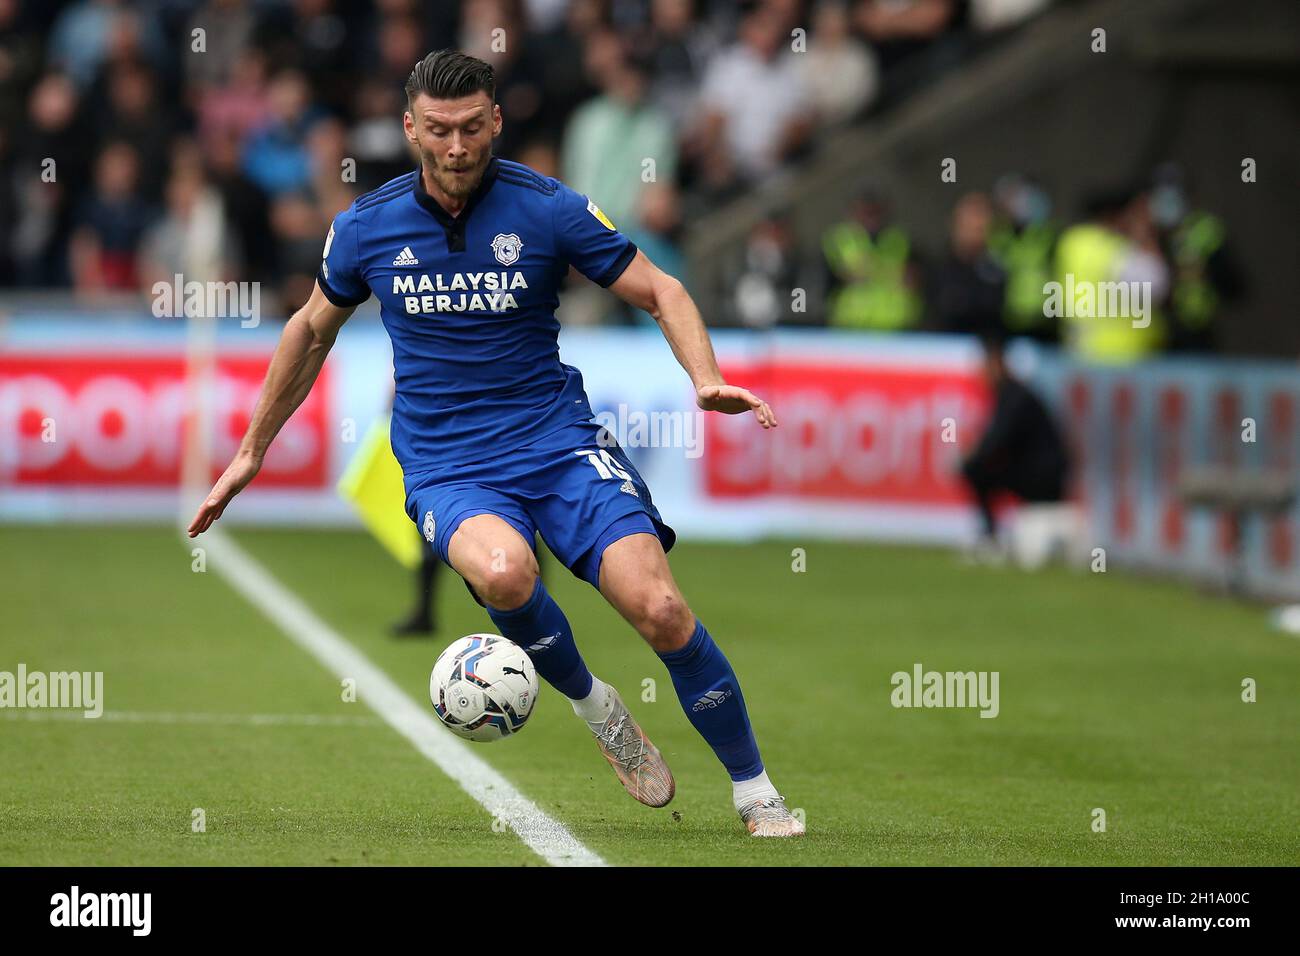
(732,400)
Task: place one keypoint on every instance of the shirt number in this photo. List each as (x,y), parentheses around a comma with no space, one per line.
(604,464)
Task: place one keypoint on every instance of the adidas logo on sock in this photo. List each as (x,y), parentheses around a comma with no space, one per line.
(544,644)
(406,258)
(710,700)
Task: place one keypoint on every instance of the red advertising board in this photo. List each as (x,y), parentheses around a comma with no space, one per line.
(851,432)
(97,419)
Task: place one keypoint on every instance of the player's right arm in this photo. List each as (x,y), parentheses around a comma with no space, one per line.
(307,338)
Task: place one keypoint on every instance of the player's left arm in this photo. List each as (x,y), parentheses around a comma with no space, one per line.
(646,286)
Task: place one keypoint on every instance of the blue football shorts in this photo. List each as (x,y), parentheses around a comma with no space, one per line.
(576,487)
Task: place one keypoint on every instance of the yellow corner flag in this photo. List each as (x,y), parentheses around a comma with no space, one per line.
(373,483)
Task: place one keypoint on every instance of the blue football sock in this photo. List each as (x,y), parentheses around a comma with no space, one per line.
(710,694)
(542,630)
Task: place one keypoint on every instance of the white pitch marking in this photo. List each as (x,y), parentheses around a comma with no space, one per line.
(541,833)
(165,717)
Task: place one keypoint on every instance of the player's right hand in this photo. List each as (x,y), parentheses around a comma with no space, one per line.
(235,478)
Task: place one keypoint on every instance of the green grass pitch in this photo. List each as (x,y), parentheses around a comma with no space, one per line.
(1115,693)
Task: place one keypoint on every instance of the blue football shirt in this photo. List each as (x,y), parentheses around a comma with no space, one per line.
(469,303)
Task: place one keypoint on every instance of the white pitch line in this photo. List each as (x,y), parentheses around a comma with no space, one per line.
(541,833)
(165,717)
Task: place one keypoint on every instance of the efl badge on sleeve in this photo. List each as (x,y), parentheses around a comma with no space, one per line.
(595,211)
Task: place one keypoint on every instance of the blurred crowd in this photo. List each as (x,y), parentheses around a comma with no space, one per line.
(217,138)
(1008,268)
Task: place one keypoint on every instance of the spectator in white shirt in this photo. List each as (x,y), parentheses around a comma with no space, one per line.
(754,108)
(839,70)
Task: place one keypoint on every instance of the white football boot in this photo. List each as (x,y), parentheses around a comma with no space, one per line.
(768,817)
(640,768)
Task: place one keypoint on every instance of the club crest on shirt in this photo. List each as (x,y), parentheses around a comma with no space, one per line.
(506,246)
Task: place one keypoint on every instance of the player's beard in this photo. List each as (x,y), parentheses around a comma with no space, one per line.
(453,184)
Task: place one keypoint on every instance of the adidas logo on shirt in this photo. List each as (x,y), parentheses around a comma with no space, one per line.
(406,258)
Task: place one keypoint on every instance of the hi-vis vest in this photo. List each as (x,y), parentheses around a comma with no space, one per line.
(875,293)
(1026,257)
(1093,254)
(1195,300)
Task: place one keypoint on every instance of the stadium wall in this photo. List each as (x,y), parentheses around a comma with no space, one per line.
(872,429)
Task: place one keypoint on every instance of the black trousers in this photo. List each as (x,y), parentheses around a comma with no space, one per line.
(1030,479)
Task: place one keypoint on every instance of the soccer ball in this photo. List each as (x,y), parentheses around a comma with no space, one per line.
(483,687)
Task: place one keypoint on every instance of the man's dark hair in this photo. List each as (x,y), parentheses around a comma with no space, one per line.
(1107,201)
(449,75)
(994,343)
